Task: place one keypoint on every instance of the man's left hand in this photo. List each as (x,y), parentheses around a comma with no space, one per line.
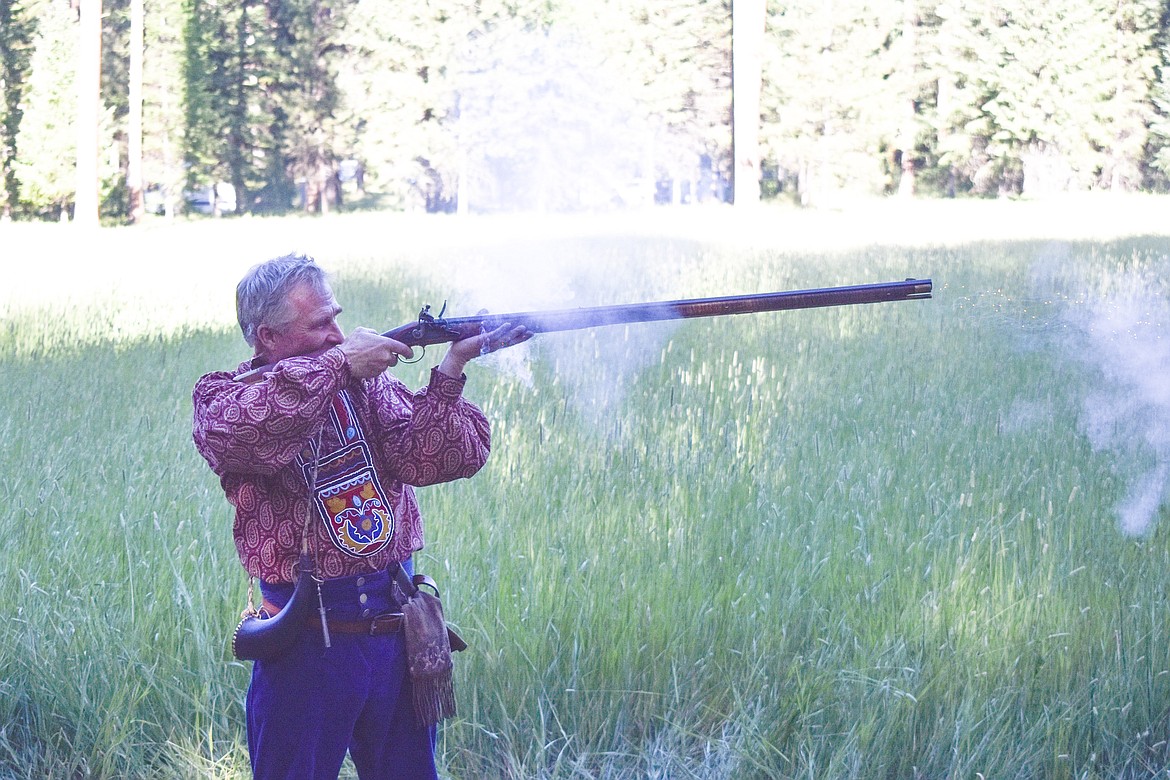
(465,350)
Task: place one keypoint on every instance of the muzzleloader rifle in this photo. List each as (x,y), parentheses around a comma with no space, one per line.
(436,329)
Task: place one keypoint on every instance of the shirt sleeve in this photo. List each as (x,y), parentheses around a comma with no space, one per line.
(259,428)
(434,435)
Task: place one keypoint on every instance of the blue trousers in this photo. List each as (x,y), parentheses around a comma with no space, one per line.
(309,707)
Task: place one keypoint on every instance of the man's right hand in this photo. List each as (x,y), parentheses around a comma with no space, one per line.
(369,353)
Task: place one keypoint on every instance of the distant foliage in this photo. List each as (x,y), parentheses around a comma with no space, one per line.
(16,41)
(47,138)
(487,105)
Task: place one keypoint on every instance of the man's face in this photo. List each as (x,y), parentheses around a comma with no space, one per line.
(313,326)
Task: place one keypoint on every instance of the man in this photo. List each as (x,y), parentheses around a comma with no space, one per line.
(324,452)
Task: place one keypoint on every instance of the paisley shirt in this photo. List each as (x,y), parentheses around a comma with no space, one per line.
(253,435)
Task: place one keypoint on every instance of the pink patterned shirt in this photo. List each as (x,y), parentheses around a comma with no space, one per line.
(253,435)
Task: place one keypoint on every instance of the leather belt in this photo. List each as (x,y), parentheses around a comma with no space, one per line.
(376,626)
(390,623)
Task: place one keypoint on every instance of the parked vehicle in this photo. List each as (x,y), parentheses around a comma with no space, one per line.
(214,198)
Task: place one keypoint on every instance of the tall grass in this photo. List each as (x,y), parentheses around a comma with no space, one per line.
(869,542)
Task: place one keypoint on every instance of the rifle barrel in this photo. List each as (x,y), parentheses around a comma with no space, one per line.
(596,316)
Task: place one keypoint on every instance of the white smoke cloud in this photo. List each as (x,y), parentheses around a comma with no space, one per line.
(1122,335)
(549,275)
(1137,512)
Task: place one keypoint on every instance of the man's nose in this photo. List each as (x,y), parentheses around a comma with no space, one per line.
(335,335)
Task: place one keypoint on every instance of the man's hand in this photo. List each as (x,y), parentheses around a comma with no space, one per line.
(369,353)
(464,350)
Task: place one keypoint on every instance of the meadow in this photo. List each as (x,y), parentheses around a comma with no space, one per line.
(922,539)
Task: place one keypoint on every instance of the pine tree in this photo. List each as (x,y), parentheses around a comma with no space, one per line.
(47,143)
(1124,104)
(829,103)
(962,60)
(396,75)
(162,105)
(17,29)
(233,131)
(303,97)
(676,55)
(1157,154)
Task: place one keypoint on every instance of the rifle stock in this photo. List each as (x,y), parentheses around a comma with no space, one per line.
(429,329)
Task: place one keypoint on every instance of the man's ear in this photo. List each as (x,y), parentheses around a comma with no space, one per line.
(265,338)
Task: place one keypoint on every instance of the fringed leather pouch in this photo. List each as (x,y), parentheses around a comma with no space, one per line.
(429,643)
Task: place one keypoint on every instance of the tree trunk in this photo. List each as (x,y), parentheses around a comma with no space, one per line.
(89,85)
(908,133)
(134,119)
(747,40)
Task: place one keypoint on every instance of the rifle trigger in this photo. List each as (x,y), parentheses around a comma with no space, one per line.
(422,350)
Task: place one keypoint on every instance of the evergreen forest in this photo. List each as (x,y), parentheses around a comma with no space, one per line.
(116,109)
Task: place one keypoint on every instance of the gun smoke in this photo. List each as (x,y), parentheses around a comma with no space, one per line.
(1121,337)
(598,365)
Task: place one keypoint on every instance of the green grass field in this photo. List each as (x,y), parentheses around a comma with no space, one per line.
(911,540)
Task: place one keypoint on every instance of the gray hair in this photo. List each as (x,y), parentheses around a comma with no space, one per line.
(262,295)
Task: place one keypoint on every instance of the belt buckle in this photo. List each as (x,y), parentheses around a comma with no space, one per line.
(388,618)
